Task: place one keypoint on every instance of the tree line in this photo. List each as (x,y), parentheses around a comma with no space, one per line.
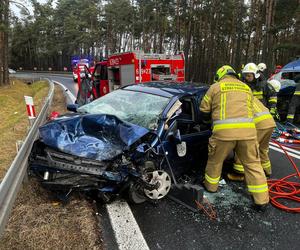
(209,32)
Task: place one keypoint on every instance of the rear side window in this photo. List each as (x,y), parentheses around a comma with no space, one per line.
(290,75)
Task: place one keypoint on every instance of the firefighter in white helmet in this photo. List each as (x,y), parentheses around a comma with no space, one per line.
(229,103)
(261,68)
(263,91)
(294,106)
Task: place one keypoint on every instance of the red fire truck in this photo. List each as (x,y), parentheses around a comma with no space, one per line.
(135,67)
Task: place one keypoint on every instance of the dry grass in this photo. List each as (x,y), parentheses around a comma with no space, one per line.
(58,104)
(14,121)
(38,221)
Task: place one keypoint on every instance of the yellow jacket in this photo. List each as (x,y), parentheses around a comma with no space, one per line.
(262,117)
(230,104)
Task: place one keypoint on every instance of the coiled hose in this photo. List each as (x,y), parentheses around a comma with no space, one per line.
(286,188)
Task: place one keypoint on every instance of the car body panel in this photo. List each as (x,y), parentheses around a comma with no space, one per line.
(98,137)
(103,153)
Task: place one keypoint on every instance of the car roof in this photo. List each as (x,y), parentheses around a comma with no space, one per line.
(169,89)
(292,66)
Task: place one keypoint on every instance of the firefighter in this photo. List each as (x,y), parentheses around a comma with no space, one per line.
(262,90)
(265,125)
(294,107)
(229,103)
(261,68)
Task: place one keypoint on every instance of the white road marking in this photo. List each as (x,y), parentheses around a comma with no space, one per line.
(127,232)
(286,148)
(288,152)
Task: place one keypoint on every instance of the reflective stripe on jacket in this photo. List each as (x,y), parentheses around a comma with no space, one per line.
(294,105)
(262,117)
(265,93)
(230,103)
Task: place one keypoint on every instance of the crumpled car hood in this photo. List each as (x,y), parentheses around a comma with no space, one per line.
(93,136)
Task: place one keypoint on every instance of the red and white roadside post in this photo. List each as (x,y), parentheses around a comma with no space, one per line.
(30,109)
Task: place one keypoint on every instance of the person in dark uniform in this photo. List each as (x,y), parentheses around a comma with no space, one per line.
(261,89)
(294,106)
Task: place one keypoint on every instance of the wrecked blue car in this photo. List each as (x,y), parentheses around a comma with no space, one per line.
(131,141)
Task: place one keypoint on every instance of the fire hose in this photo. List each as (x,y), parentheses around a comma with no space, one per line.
(288,187)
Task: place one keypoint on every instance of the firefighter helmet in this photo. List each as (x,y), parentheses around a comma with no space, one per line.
(223,71)
(275,84)
(251,68)
(262,67)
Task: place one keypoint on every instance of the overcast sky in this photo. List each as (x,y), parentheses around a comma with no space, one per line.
(16,10)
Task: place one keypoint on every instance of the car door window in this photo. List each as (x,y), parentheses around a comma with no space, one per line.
(103,72)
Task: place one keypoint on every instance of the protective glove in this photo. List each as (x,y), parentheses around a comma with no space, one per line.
(274,113)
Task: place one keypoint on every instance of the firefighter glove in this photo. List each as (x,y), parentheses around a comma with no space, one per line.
(275,114)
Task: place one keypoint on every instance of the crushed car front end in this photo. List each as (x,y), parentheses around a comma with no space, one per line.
(102,154)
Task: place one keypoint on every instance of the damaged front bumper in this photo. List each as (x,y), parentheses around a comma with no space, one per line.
(61,172)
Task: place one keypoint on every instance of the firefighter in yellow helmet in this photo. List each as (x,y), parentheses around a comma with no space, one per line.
(265,125)
(229,103)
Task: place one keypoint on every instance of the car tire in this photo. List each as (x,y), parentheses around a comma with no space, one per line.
(134,195)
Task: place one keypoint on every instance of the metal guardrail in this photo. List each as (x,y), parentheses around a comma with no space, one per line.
(10,185)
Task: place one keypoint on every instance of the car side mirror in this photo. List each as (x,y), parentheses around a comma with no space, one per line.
(175,136)
(72,107)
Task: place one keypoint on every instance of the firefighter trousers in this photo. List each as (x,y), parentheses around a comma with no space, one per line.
(248,153)
(263,138)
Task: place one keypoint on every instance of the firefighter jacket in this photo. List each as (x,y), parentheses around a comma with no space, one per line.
(294,106)
(265,93)
(261,76)
(229,103)
(262,117)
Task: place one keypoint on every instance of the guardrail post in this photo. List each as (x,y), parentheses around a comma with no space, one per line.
(10,185)
(30,110)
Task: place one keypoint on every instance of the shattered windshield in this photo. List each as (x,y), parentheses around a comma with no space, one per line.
(135,107)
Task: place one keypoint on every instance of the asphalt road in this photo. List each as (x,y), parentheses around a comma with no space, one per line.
(65,79)
(168,225)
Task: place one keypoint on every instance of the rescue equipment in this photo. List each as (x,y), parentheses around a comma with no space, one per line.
(288,187)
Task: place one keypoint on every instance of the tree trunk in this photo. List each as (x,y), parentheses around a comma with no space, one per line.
(4,9)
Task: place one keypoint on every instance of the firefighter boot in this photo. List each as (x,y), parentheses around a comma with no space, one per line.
(235,177)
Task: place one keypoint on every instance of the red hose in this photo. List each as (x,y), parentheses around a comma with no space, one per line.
(284,188)
(292,147)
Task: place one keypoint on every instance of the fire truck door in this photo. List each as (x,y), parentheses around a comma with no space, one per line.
(114,78)
(127,74)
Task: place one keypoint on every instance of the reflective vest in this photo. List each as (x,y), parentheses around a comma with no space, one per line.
(265,93)
(230,104)
(294,106)
(262,117)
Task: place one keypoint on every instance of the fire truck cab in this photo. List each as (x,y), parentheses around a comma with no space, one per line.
(136,67)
